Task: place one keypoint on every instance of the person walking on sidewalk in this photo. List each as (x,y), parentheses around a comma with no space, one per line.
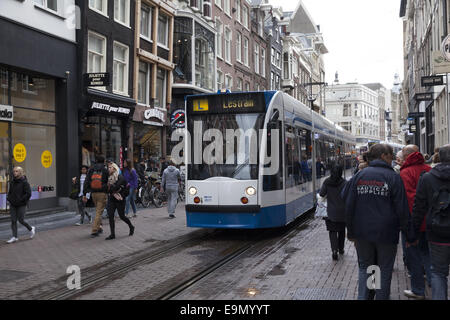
(376,210)
(170,182)
(118,191)
(96,184)
(335,221)
(131,177)
(77,195)
(432,202)
(18,196)
(417,257)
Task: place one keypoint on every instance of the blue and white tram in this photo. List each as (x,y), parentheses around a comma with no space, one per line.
(246,189)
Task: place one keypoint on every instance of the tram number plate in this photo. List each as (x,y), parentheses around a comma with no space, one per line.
(207,198)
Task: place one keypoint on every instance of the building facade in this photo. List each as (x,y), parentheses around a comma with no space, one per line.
(38,98)
(425,25)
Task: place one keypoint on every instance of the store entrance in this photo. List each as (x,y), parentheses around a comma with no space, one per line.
(4,165)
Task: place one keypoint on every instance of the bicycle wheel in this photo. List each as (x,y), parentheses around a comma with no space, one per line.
(146,198)
(157,198)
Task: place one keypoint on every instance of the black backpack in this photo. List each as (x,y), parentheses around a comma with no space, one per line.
(438,221)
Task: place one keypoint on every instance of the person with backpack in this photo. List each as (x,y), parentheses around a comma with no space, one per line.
(132,179)
(417,257)
(96,184)
(118,191)
(335,220)
(77,195)
(18,196)
(432,202)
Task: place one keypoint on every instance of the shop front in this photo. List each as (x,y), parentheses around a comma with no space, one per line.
(28,134)
(105,122)
(149,133)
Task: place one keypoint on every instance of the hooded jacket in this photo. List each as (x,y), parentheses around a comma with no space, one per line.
(335,205)
(19,192)
(87,183)
(376,204)
(410,173)
(170,177)
(429,183)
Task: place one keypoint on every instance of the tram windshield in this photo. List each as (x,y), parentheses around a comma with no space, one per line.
(224,145)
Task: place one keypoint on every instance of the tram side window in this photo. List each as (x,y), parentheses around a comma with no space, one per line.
(297,157)
(274,182)
(289,138)
(305,155)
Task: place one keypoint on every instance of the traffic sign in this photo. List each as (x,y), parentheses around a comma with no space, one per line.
(432,81)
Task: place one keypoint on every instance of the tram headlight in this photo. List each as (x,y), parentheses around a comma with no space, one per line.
(250,191)
(192,191)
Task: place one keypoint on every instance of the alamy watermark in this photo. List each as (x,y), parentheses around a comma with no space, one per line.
(374,280)
(74,280)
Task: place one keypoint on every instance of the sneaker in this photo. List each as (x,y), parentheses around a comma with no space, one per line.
(111,237)
(335,255)
(134,215)
(131,230)
(12,240)
(412,295)
(78,224)
(32,232)
(171,216)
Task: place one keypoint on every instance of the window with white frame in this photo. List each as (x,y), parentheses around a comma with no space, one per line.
(120,68)
(144,83)
(238,47)
(218,3)
(161,88)
(246,51)
(245,16)
(278,61)
(146,21)
(247,86)
(263,62)
(256,57)
(49,4)
(122,11)
(96,53)
(227,6)
(272,55)
(163,30)
(219,80)
(228,81)
(219,28)
(99,6)
(228,39)
(238,10)
(239,84)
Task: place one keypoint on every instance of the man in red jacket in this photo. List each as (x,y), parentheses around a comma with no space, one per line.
(418,257)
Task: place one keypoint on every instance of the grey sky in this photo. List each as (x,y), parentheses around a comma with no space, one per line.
(363,37)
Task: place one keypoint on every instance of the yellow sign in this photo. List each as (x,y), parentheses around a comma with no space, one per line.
(19,152)
(201,105)
(46,159)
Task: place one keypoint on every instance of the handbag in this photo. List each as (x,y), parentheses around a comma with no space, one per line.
(321,209)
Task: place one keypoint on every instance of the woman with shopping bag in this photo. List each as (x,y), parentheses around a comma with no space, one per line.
(335,220)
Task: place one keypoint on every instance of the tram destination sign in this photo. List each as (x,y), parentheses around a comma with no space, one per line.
(97,79)
(226,103)
(424,97)
(432,81)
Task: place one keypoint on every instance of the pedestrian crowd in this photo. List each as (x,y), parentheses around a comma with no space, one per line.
(389,201)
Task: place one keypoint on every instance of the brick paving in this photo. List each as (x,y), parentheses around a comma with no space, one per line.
(297,268)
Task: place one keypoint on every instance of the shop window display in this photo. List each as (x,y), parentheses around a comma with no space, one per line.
(147,142)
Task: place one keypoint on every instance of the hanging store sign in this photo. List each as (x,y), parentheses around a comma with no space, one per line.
(154,113)
(416,114)
(110,109)
(97,79)
(424,97)
(6,113)
(432,81)
(446,48)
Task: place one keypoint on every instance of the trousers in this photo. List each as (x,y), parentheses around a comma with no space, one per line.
(120,206)
(18,214)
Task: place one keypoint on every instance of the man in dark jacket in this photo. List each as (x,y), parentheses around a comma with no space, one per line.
(376,210)
(97,184)
(428,188)
(417,257)
(18,196)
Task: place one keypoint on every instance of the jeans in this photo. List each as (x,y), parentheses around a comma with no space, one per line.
(405,258)
(131,199)
(382,255)
(18,213)
(120,206)
(99,200)
(81,206)
(172,194)
(440,261)
(418,258)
